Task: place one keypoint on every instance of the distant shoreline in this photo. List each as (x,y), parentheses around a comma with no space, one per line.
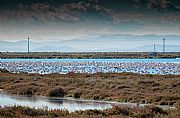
(90,55)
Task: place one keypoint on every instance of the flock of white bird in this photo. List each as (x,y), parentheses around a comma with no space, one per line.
(91,67)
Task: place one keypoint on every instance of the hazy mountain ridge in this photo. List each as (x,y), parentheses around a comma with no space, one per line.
(158,48)
(111,42)
(19,46)
(54,49)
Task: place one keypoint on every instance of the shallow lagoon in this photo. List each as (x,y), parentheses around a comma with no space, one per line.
(51,103)
(69,104)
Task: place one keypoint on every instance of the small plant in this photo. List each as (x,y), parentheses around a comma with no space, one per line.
(56,92)
(77,94)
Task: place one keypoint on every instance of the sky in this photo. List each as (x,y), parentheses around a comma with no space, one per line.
(62,20)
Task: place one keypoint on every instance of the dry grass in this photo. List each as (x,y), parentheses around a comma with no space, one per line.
(115,112)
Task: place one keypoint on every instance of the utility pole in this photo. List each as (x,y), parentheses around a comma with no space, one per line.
(164,45)
(154,47)
(28,45)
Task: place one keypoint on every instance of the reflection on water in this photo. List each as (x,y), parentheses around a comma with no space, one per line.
(64,103)
(51,103)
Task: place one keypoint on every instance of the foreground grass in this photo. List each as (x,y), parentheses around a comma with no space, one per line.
(115,112)
(124,87)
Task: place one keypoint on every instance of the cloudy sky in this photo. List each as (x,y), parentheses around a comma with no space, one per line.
(57,20)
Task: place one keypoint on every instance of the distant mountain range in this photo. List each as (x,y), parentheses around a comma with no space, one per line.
(19,46)
(108,43)
(168,48)
(54,49)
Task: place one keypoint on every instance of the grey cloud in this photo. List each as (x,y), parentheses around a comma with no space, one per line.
(89,16)
(160,5)
(75,12)
(44,12)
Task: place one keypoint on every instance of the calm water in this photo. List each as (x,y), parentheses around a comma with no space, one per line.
(51,103)
(64,66)
(63,103)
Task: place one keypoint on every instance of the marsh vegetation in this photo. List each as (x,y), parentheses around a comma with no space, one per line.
(115,112)
(122,87)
